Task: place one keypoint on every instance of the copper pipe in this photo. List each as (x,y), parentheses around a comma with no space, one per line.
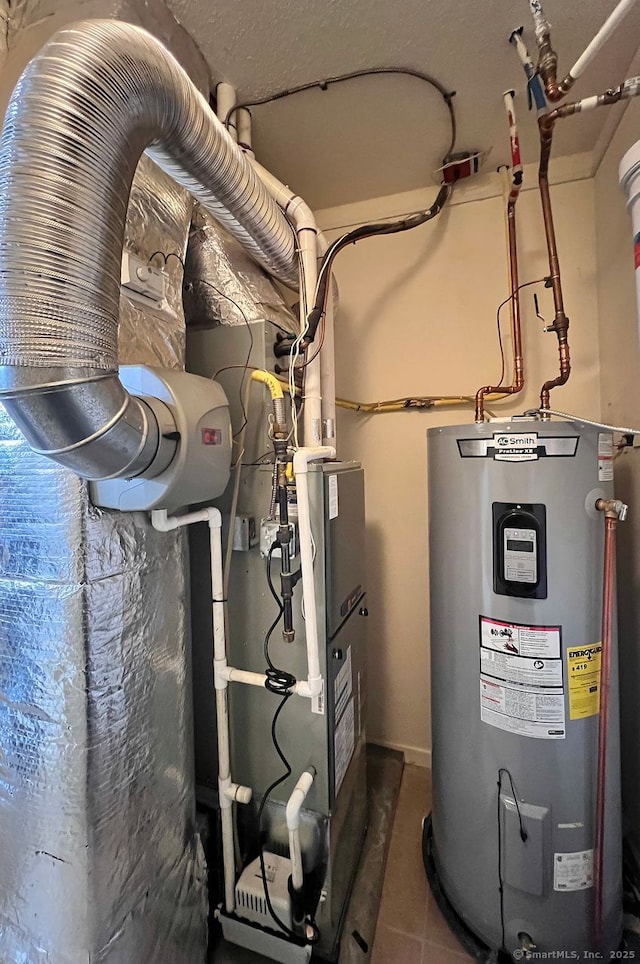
(548,70)
(613,511)
(516,335)
(560,324)
(518,361)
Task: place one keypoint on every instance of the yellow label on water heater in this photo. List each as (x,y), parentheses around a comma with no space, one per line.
(584,680)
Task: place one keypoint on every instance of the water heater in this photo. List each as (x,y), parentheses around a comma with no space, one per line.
(516,563)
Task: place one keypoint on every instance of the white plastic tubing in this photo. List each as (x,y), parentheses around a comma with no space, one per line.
(600,39)
(228,792)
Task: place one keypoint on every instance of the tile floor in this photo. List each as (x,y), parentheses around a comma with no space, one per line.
(410,927)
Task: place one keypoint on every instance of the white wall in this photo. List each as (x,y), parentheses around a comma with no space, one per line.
(408,304)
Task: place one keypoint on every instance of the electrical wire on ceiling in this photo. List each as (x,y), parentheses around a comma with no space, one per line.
(447,95)
(316,315)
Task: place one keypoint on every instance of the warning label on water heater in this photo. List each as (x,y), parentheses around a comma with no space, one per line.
(605,457)
(521,679)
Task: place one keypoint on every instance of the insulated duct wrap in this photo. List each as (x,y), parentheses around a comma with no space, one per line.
(223,286)
(96,96)
(101,860)
(157,215)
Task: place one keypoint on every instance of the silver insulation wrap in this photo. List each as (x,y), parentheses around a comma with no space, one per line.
(100,856)
(97,95)
(223,285)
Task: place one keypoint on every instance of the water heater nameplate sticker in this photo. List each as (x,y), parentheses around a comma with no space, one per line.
(521,679)
(583,669)
(573,871)
(605,457)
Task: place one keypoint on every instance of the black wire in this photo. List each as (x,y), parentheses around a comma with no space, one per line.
(172,254)
(278,681)
(276,783)
(358,234)
(447,95)
(523,836)
(246,364)
(506,301)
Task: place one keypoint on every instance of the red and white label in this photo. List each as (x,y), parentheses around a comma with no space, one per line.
(542,642)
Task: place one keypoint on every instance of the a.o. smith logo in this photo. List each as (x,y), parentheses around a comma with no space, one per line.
(515,441)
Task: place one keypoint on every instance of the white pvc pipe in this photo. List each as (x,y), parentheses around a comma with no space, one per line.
(228,792)
(600,39)
(301,460)
(630,182)
(306,230)
(328,366)
(243,121)
(225,100)
(234,675)
(294,806)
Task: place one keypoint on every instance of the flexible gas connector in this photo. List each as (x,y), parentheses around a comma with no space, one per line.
(277,395)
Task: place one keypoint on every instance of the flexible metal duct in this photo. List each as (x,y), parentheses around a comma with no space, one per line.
(97,95)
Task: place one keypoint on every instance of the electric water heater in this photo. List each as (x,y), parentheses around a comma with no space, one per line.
(516,563)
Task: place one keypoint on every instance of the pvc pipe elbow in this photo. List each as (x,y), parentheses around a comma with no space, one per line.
(309,688)
(303,456)
(297,798)
(163,522)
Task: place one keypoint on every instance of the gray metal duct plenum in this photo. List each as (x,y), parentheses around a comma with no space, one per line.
(100,860)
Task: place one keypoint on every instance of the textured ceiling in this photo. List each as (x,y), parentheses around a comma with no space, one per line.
(381,135)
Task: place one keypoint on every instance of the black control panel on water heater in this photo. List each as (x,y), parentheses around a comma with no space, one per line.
(520,549)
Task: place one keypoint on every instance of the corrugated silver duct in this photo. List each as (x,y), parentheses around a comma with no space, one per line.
(101,860)
(86,107)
